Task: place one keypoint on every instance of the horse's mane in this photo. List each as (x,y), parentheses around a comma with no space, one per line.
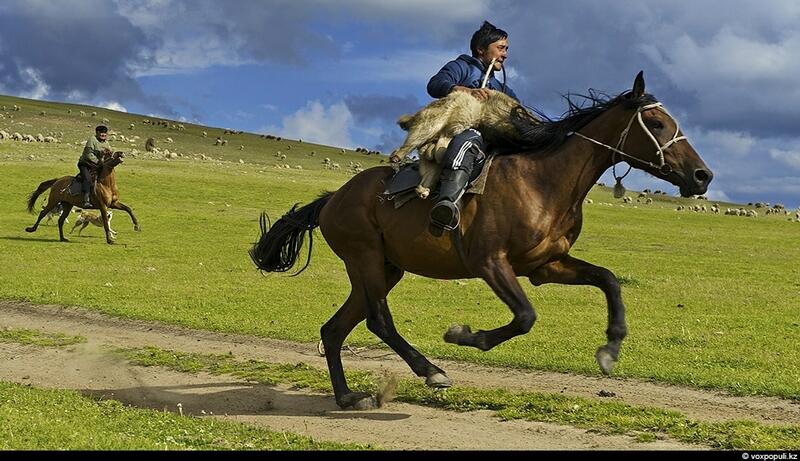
(549,134)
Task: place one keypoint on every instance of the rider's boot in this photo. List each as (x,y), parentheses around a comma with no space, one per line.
(445,214)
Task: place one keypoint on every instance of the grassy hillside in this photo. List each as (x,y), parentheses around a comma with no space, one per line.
(712,300)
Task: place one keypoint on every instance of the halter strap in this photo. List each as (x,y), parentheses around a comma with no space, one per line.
(662,167)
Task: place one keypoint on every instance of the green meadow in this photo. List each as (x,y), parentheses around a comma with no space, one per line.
(712,300)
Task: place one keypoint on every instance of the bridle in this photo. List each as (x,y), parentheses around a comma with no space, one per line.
(662,166)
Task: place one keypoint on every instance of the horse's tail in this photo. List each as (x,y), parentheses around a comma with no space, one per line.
(35,194)
(280,244)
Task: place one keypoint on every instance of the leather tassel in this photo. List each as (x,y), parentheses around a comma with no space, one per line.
(619,189)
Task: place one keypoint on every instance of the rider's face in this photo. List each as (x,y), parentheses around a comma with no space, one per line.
(101,136)
(498,51)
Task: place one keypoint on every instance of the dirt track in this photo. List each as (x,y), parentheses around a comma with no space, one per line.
(91,370)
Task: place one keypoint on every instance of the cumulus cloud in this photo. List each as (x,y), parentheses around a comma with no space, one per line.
(789,158)
(67,45)
(319,124)
(113,105)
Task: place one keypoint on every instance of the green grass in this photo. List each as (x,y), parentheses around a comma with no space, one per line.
(39,419)
(644,423)
(38,338)
(712,300)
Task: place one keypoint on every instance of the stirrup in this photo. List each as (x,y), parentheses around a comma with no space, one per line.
(439,221)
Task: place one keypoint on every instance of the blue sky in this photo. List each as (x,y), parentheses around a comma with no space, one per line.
(341,73)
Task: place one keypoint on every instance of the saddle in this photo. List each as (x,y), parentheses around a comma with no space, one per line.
(400,188)
(76,185)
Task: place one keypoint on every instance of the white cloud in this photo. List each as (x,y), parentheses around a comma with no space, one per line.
(717,195)
(113,105)
(319,124)
(40,88)
(723,142)
(788,157)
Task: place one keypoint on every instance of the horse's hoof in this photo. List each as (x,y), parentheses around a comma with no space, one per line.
(63,240)
(30,229)
(605,360)
(358,401)
(110,242)
(457,333)
(438,381)
(137,228)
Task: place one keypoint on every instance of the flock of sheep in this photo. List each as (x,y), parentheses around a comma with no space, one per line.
(353,167)
(777,209)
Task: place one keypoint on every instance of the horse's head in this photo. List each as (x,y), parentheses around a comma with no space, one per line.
(653,142)
(110,160)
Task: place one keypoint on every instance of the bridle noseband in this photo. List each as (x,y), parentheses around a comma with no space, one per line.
(662,167)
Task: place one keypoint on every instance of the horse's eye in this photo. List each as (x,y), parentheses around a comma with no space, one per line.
(656,125)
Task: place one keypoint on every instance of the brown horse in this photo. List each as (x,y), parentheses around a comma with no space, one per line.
(523,225)
(106,195)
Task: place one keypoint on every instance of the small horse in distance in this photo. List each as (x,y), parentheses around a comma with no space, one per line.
(105,196)
(523,225)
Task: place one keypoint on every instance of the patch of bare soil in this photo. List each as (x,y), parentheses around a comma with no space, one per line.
(93,370)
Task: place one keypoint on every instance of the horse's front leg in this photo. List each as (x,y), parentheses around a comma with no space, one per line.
(572,271)
(66,207)
(106,225)
(500,276)
(116,204)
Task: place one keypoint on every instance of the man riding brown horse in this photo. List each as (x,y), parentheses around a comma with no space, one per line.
(105,196)
(523,225)
(92,153)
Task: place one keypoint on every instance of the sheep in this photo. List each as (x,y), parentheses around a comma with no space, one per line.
(431,129)
(131,126)
(150,144)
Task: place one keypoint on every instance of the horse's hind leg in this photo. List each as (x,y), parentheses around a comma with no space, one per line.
(47,209)
(573,271)
(121,206)
(66,208)
(500,276)
(370,284)
(333,334)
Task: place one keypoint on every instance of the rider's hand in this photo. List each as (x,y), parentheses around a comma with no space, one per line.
(481,94)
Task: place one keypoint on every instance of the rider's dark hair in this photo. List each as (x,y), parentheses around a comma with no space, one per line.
(485,36)
(101,129)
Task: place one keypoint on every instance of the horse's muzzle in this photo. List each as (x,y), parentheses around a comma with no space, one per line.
(696,183)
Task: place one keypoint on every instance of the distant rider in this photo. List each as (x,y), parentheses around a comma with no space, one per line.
(92,154)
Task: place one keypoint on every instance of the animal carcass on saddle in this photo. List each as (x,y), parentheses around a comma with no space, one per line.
(432,128)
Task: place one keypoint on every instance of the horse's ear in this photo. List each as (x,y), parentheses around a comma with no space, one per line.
(638,85)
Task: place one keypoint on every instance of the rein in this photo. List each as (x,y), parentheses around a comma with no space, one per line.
(662,166)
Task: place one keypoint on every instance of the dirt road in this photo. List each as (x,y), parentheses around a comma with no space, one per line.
(92,370)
